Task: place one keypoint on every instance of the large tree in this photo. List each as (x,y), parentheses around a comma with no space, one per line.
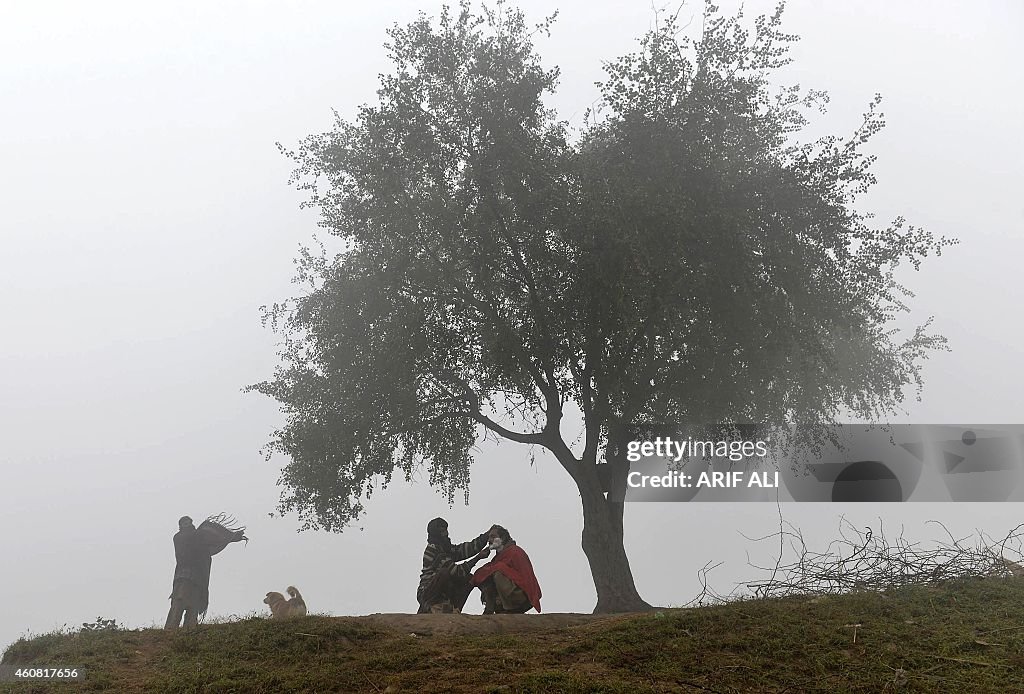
(682,258)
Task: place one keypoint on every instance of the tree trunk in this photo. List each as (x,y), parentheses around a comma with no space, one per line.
(602,543)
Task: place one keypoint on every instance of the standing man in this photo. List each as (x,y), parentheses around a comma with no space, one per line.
(507,582)
(193,556)
(189,566)
(444,584)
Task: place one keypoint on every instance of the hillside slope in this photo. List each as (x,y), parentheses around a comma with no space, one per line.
(966,636)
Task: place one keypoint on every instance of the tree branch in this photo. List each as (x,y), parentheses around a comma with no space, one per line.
(477,415)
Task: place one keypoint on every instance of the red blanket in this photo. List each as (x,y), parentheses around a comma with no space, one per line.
(514,563)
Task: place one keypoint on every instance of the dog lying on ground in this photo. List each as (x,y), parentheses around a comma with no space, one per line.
(281,608)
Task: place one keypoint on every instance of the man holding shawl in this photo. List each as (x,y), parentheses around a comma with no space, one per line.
(193,555)
(507,583)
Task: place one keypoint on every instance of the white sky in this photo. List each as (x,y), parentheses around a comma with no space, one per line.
(145,217)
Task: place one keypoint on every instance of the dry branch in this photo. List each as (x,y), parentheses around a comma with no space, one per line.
(869,560)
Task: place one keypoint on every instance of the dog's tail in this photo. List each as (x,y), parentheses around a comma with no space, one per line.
(294,592)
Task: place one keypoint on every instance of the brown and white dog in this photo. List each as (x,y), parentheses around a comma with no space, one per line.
(281,608)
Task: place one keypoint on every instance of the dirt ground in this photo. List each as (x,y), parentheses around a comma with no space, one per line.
(471,624)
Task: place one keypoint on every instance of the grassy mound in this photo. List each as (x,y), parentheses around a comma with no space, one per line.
(966,636)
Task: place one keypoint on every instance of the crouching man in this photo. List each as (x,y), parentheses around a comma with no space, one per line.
(444,584)
(507,583)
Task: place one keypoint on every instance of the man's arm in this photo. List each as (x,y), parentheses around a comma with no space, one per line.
(430,555)
(468,549)
(480,555)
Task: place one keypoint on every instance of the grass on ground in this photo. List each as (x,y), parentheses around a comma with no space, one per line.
(966,636)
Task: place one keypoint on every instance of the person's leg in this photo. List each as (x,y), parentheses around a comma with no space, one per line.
(459,588)
(447,591)
(174,614)
(489,595)
(180,598)
(433,595)
(192,598)
(510,597)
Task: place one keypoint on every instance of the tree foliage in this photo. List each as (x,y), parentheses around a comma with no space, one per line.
(684,258)
(730,276)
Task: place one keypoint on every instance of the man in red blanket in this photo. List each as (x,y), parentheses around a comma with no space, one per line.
(507,583)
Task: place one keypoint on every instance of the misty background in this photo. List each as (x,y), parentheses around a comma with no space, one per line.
(146,217)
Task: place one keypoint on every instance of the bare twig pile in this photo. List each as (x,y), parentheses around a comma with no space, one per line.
(870,560)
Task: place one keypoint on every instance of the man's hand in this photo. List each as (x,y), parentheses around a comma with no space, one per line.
(483,553)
